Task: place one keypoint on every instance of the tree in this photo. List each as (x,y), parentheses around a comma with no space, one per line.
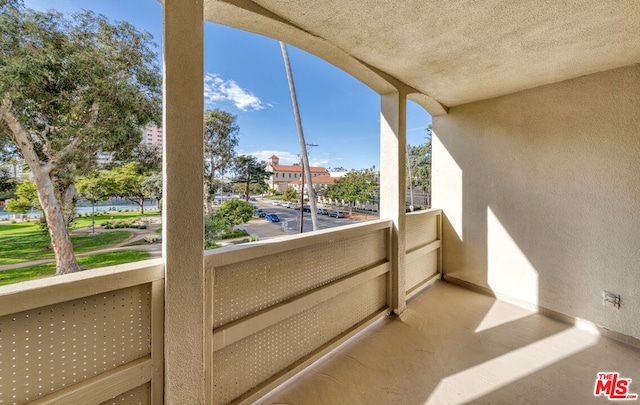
(419,166)
(355,186)
(129,183)
(7,182)
(230,214)
(213,227)
(95,187)
(249,171)
(235,212)
(220,140)
(290,194)
(152,186)
(26,199)
(71,87)
(149,157)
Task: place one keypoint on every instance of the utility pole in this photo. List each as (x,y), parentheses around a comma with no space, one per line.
(303,145)
(314,211)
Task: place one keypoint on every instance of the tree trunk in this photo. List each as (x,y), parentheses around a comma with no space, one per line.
(60,240)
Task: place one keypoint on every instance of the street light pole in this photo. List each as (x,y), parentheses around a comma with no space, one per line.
(301,198)
(303,145)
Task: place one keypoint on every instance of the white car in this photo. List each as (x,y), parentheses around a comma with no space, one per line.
(287,205)
(275,203)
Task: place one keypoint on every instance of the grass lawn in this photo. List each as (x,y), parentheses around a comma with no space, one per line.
(86,262)
(32,244)
(24,241)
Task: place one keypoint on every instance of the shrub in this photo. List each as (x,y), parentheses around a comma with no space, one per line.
(235,234)
(124,223)
(152,238)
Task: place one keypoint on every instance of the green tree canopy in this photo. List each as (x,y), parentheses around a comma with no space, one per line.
(129,183)
(290,194)
(354,186)
(419,166)
(96,186)
(71,86)
(220,139)
(152,186)
(230,214)
(7,182)
(26,198)
(249,171)
(235,212)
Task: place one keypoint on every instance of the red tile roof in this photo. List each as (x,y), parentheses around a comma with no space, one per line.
(298,169)
(319,180)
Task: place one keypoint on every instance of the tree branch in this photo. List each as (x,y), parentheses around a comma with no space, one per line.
(76,140)
(21,139)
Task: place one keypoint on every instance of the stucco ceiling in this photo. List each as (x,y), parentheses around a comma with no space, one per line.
(452,52)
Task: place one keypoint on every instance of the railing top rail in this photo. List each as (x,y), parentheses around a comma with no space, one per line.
(237,253)
(42,292)
(431,211)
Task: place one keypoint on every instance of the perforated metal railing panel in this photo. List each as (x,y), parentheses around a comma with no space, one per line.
(421,228)
(49,348)
(273,312)
(419,268)
(245,364)
(243,288)
(421,263)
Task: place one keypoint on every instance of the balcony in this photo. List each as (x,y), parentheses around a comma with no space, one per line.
(535,170)
(274,307)
(315,304)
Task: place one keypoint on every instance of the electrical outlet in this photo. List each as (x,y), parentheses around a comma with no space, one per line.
(611,299)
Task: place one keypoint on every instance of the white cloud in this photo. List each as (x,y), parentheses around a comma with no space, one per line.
(287,158)
(218,89)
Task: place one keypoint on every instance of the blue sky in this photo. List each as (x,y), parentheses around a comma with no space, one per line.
(245,75)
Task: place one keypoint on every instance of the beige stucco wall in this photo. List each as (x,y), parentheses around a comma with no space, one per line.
(541,191)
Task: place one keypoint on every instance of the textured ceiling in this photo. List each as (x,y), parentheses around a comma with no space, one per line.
(452,52)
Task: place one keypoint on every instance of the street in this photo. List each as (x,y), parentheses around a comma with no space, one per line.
(264,229)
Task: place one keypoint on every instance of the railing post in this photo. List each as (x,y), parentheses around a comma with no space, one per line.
(183,222)
(393,186)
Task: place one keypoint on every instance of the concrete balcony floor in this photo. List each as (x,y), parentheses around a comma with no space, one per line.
(456,346)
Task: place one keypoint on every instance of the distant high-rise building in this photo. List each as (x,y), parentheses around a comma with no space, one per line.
(152,135)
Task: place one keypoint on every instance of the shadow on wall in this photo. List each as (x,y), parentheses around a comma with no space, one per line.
(540,192)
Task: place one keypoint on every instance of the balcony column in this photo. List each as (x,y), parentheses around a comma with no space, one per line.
(393,188)
(183,223)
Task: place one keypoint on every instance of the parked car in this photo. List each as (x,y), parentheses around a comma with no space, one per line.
(287,205)
(275,203)
(337,214)
(261,213)
(272,218)
(296,207)
(306,208)
(322,211)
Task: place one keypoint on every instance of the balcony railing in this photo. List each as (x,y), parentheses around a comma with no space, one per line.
(423,251)
(274,307)
(84,338)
